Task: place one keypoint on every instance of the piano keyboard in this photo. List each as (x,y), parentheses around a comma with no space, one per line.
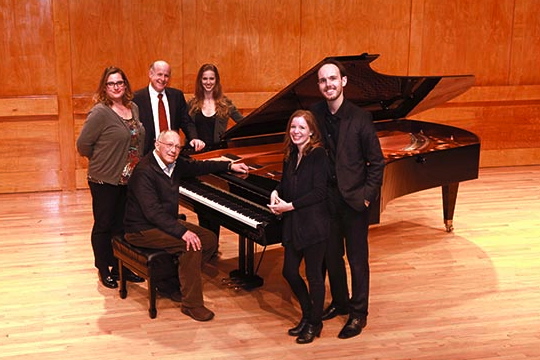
(251,214)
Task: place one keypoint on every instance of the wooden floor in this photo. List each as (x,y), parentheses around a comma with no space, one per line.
(470,294)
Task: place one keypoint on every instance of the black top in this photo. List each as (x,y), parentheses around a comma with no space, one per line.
(306,187)
(359,161)
(205,127)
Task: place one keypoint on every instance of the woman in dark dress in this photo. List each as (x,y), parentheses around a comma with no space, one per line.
(301,199)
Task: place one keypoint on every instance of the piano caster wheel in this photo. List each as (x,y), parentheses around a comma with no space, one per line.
(449,225)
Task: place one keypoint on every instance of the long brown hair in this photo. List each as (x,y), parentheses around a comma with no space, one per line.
(101,92)
(222,103)
(314,139)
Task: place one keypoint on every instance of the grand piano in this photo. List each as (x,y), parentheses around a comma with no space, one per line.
(419,155)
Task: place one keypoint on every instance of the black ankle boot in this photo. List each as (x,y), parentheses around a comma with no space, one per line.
(297,330)
(309,333)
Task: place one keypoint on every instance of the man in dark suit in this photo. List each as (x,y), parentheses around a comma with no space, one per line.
(356,172)
(175,107)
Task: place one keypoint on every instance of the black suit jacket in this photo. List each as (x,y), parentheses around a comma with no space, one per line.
(359,161)
(178,111)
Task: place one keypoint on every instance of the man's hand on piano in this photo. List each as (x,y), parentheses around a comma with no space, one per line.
(192,241)
(239,168)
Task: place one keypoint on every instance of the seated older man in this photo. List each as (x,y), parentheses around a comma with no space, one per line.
(151,218)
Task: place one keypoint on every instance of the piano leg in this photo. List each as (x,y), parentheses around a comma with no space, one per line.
(449,196)
(244,277)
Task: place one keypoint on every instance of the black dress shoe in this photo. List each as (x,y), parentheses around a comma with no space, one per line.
(353,327)
(128,274)
(309,333)
(332,311)
(295,331)
(108,281)
(131,277)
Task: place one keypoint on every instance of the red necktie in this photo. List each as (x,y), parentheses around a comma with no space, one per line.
(162,115)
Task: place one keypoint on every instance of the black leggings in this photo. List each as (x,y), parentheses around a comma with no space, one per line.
(312,301)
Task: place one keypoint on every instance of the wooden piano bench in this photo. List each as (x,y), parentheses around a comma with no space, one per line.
(153,265)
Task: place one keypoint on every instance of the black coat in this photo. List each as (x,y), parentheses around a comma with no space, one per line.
(359,161)
(178,111)
(306,187)
(152,199)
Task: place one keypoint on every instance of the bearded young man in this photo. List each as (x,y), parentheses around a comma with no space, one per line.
(356,173)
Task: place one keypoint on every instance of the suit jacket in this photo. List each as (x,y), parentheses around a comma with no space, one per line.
(178,111)
(359,161)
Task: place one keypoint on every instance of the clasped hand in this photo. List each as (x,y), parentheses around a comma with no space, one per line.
(278,205)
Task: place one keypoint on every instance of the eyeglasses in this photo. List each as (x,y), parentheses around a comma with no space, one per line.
(114,84)
(170,146)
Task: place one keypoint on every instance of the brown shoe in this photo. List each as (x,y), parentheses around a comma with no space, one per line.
(199,313)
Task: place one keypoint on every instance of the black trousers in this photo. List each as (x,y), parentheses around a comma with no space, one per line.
(349,234)
(312,300)
(108,207)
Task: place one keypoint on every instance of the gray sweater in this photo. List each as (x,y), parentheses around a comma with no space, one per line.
(104,140)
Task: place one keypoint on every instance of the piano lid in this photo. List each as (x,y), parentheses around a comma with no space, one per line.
(385,96)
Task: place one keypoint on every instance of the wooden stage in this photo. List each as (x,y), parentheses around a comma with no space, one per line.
(470,294)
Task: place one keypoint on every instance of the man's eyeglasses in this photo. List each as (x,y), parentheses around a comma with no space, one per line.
(114,84)
(170,146)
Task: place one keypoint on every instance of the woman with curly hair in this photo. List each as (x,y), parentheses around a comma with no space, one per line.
(112,138)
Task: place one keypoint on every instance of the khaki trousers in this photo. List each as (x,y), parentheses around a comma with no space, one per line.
(189,262)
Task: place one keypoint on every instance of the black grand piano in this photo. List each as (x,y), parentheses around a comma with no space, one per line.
(419,155)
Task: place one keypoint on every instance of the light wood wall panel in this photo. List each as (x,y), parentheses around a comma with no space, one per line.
(30,156)
(54,52)
(129,34)
(524,69)
(344,27)
(64,85)
(27,48)
(463,37)
(255,44)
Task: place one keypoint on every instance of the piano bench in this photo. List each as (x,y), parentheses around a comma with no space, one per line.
(153,265)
